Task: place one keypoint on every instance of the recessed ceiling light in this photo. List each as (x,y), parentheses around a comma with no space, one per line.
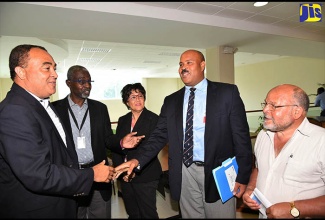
(259,4)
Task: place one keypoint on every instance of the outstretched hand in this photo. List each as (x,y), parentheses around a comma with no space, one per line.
(126,167)
(130,140)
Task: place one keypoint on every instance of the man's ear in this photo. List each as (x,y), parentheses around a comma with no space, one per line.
(21,73)
(297,112)
(202,65)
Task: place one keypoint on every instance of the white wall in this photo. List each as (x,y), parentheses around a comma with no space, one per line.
(5,85)
(254,81)
(157,90)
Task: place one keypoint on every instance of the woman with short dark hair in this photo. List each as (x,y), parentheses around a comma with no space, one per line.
(139,190)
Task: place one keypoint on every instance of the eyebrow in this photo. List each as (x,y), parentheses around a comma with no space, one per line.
(49,63)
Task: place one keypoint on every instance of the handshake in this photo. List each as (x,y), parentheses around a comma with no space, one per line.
(104,173)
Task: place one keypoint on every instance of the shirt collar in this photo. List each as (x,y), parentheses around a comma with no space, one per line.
(44,102)
(71,103)
(201,86)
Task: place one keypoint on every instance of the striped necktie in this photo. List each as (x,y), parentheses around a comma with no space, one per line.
(188,139)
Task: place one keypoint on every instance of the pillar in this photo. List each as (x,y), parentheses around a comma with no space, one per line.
(220,65)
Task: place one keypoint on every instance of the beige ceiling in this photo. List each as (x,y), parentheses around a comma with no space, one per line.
(146,38)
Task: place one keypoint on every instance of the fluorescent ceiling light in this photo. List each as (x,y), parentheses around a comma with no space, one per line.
(259,4)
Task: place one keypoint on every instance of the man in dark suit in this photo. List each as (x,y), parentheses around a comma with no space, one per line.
(220,131)
(39,171)
(88,122)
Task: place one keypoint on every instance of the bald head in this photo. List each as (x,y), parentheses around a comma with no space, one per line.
(292,93)
(196,53)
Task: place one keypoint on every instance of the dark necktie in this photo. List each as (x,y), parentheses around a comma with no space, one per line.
(188,140)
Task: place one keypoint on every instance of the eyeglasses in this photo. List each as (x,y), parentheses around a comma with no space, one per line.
(81,81)
(273,107)
(134,97)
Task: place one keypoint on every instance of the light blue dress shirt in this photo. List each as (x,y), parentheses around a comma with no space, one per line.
(198,118)
(85,155)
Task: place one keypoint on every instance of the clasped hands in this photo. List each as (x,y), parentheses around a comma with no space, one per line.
(104,173)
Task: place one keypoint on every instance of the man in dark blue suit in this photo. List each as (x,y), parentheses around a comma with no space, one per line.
(39,171)
(220,131)
(88,122)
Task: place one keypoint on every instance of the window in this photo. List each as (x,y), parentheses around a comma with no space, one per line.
(103,87)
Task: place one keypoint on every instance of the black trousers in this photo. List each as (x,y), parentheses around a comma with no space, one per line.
(140,199)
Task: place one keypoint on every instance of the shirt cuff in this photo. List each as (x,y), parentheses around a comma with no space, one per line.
(121,145)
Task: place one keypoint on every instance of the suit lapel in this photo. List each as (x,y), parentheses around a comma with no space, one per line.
(179,115)
(61,111)
(140,122)
(210,109)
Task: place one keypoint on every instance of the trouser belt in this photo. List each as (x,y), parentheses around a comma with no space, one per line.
(199,163)
(86,165)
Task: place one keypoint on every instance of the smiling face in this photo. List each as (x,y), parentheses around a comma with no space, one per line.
(136,101)
(191,67)
(38,75)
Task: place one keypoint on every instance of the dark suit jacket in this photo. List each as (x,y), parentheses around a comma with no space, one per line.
(38,174)
(101,134)
(144,126)
(226,135)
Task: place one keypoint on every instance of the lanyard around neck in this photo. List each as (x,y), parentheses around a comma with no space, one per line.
(75,120)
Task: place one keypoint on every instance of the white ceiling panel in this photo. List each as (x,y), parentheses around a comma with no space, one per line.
(148,37)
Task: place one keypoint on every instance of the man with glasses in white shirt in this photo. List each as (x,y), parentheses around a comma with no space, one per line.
(290,158)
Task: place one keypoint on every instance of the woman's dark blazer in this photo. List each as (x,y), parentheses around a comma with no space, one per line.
(144,126)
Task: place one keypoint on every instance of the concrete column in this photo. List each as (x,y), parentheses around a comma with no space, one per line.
(220,64)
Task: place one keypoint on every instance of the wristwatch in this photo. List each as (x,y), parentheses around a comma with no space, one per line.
(294,211)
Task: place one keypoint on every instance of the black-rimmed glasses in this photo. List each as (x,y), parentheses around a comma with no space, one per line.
(81,81)
(134,97)
(273,107)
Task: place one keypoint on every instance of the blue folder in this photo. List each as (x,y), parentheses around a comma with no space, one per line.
(225,178)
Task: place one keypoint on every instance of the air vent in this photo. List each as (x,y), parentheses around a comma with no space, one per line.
(95,50)
(170,54)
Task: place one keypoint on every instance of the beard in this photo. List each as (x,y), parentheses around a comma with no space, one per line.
(85,94)
(277,126)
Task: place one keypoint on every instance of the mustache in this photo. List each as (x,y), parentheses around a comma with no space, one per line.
(184,70)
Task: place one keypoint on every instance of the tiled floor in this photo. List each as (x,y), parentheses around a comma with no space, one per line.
(167,208)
